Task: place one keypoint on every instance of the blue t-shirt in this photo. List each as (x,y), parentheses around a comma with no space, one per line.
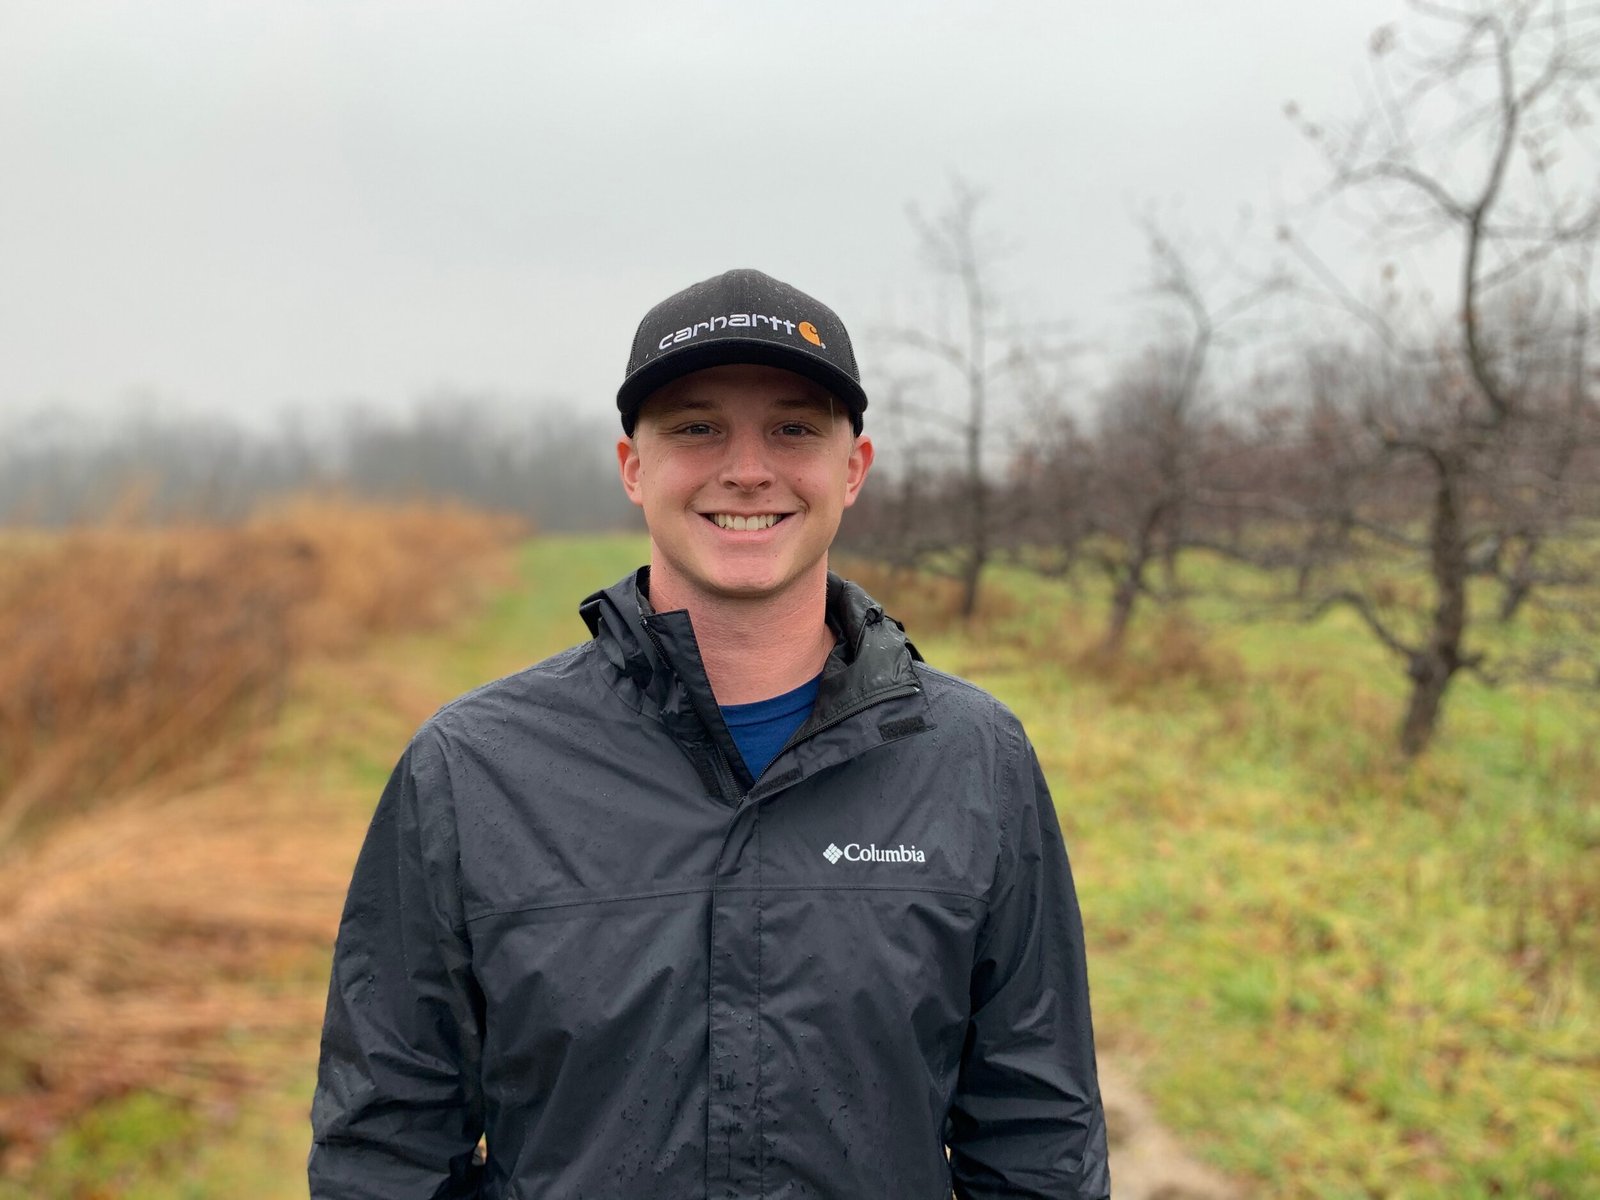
(761,729)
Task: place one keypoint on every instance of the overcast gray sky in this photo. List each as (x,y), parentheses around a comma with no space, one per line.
(243,207)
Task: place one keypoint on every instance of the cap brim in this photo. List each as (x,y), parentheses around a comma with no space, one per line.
(656,374)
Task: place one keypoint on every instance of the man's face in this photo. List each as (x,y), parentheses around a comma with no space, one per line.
(743,473)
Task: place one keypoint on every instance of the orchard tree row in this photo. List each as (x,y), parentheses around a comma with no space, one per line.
(1397,451)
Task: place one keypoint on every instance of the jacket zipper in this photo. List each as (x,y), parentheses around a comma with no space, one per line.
(725,777)
(726,781)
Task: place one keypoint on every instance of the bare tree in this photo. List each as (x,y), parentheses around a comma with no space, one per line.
(904,518)
(1048,492)
(1477,419)
(981,352)
(1140,478)
(1154,441)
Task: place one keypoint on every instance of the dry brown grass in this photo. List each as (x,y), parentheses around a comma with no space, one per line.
(136,666)
(122,650)
(143,948)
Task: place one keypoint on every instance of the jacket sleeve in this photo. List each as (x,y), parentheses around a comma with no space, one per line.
(1027,1119)
(398,1109)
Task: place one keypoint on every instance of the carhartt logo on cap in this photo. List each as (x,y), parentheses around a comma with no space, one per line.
(740,321)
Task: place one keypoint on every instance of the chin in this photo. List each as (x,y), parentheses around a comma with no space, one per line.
(747,589)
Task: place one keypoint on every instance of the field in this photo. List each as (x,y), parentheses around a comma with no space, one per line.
(1343,976)
(1337,975)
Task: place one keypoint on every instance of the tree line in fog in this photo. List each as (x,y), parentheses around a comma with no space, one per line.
(555,470)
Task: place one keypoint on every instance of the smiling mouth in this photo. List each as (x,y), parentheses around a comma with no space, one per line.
(741,524)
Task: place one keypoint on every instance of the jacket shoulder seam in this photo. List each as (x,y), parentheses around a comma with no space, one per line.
(983,695)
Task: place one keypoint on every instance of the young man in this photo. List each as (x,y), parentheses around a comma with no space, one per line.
(739,898)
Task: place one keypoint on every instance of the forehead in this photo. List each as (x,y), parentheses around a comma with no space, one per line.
(742,385)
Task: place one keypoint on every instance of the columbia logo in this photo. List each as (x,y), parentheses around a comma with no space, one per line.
(856,852)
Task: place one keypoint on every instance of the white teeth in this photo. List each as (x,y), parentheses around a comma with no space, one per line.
(739,524)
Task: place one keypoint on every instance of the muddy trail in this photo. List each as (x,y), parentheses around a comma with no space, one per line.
(1147,1161)
(177,945)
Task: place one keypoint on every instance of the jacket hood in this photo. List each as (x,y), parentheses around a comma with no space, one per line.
(655,656)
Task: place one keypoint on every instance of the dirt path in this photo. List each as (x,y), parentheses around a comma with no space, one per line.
(1147,1162)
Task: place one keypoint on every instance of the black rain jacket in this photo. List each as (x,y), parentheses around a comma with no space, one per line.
(578,926)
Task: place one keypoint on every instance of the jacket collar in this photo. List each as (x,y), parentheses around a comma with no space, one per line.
(655,656)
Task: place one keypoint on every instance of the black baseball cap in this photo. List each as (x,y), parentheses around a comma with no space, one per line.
(741,316)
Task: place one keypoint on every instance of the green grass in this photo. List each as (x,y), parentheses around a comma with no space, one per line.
(539,617)
(1339,974)
(1345,975)
(148,1147)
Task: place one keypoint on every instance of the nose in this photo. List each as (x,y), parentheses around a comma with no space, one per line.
(745,465)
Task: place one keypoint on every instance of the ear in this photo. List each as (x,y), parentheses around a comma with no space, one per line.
(630,468)
(856,470)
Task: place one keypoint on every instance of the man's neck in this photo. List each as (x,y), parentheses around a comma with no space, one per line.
(755,649)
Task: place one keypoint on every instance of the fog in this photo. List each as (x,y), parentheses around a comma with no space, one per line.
(249,210)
